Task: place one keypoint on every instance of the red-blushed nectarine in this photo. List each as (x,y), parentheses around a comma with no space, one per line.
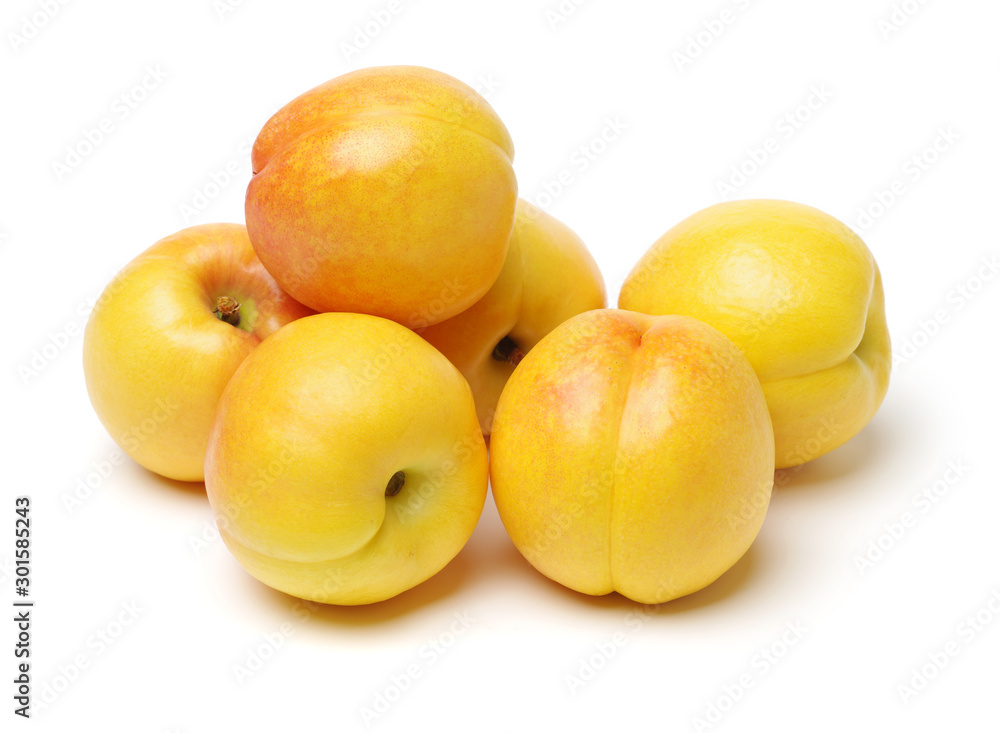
(386,191)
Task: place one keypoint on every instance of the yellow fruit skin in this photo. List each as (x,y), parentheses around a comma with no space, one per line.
(309,433)
(387,191)
(548,277)
(155,356)
(799,293)
(632,453)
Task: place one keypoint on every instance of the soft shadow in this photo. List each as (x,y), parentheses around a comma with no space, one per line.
(491,549)
(887,432)
(849,458)
(184,489)
(731,583)
(503,559)
(435,590)
(727,586)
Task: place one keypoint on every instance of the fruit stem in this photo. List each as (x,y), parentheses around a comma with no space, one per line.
(227,310)
(508,350)
(395,483)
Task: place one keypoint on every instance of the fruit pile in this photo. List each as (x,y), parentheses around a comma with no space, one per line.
(333,370)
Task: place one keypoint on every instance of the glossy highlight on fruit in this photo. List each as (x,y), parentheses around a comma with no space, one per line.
(346,464)
(802,297)
(632,453)
(386,191)
(167,334)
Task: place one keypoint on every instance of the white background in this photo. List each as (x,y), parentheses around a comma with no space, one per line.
(889,93)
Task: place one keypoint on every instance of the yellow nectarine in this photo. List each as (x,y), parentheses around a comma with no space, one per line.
(168,333)
(345,463)
(799,293)
(632,453)
(548,277)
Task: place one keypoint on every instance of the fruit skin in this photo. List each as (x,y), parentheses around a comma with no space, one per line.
(799,293)
(387,191)
(548,277)
(308,435)
(156,357)
(632,453)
